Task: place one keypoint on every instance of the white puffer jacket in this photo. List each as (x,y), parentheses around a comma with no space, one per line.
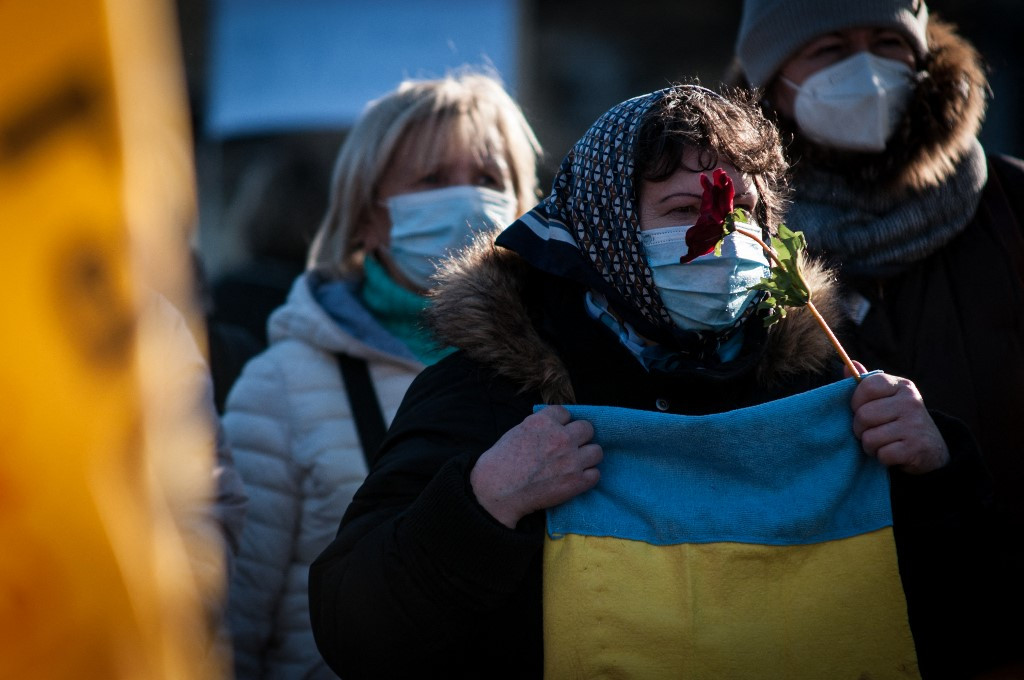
(296,447)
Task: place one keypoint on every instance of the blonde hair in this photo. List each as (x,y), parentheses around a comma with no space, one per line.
(465,107)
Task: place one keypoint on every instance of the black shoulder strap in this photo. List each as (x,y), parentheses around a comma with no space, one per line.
(362,397)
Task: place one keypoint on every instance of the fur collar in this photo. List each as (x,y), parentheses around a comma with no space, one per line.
(478,308)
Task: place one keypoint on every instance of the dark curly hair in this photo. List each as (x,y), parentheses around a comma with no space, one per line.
(729,126)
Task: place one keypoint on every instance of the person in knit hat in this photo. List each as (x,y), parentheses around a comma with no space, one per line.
(881,104)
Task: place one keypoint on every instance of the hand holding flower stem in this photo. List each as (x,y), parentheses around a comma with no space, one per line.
(785,285)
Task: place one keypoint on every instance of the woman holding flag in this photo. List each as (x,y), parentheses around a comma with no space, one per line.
(458,543)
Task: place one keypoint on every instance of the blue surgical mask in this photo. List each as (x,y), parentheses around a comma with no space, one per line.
(711,292)
(428,225)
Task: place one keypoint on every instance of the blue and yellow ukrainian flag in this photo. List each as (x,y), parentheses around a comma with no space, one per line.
(750,544)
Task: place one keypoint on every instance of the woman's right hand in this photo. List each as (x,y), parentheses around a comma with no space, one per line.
(541,462)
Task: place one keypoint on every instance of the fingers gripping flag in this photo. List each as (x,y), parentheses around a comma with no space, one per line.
(719,547)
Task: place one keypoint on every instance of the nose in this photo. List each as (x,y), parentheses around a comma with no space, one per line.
(858,40)
(462,174)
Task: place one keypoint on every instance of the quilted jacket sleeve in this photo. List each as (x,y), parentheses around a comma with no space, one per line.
(417,560)
(258,429)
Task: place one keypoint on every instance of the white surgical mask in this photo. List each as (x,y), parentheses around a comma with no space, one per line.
(710,292)
(427,225)
(854,104)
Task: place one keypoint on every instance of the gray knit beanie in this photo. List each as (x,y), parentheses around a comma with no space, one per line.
(772,30)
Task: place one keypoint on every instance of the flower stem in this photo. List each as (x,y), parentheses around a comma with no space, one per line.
(764,246)
(810,305)
(834,340)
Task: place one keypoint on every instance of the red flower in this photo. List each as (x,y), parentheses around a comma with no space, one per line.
(715,204)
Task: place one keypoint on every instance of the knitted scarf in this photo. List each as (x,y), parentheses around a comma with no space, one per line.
(876,234)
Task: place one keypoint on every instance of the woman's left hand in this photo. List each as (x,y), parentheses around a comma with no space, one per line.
(893,425)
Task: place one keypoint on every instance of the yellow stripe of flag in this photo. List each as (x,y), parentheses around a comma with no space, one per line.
(726,610)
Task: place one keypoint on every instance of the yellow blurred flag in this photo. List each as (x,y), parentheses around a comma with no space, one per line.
(100,574)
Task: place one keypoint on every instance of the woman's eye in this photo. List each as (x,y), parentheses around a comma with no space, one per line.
(489,180)
(684,211)
(431,179)
(823,49)
(891,39)
(892,46)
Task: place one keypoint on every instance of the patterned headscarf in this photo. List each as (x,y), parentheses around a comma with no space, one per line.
(592,212)
(587,229)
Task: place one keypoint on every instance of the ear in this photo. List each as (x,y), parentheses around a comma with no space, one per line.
(373,230)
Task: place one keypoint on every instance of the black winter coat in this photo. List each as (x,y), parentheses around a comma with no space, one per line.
(422,582)
(954,324)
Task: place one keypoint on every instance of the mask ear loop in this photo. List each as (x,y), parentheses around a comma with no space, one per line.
(789,83)
(376,200)
(359,238)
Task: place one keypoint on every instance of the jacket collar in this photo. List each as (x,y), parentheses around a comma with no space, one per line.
(478,307)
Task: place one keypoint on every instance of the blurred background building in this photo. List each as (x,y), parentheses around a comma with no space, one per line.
(274,84)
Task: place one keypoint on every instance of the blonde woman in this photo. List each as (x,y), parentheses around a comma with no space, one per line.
(426,167)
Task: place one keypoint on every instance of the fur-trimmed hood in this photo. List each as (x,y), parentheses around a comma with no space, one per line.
(478,307)
(939,127)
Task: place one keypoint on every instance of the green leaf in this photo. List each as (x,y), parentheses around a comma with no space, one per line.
(729,224)
(785,285)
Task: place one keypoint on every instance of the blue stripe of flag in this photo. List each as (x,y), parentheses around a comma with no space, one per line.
(788,472)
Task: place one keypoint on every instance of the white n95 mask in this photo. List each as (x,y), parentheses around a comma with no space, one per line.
(427,225)
(711,292)
(854,104)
